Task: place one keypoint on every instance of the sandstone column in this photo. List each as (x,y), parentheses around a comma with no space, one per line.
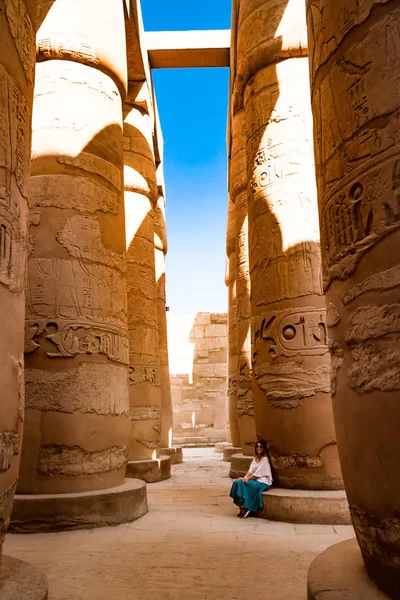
(238,192)
(354,59)
(17,63)
(76,344)
(230,282)
(291,363)
(160,251)
(141,192)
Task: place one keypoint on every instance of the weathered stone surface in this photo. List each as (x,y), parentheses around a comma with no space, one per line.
(150,470)
(19,579)
(355,97)
(17,63)
(76,319)
(285,373)
(140,183)
(339,574)
(306,506)
(46,512)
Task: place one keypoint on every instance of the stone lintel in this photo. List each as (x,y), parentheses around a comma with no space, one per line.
(184,49)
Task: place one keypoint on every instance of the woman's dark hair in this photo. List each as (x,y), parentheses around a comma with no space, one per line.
(264,452)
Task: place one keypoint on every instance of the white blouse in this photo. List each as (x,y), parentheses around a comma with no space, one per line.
(262,470)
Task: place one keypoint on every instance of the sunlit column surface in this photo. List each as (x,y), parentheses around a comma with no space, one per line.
(76,344)
(354,58)
(160,250)
(238,193)
(140,199)
(17,63)
(290,357)
(230,280)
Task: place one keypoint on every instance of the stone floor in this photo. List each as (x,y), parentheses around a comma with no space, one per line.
(190,545)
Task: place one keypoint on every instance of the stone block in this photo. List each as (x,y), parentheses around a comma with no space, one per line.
(221,370)
(220,331)
(150,470)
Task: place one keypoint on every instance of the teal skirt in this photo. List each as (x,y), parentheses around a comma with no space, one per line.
(248,495)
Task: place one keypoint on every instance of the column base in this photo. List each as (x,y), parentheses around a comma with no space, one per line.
(55,512)
(240,464)
(229,451)
(20,580)
(176,454)
(322,507)
(339,574)
(150,470)
(220,447)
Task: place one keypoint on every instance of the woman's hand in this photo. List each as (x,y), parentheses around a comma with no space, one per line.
(245,479)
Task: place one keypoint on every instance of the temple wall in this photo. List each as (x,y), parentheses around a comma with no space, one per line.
(199,394)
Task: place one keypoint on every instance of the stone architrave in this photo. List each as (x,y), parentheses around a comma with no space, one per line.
(76,341)
(160,251)
(290,358)
(238,193)
(230,281)
(17,65)
(140,200)
(354,60)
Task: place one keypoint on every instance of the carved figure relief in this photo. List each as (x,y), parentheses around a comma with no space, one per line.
(22,32)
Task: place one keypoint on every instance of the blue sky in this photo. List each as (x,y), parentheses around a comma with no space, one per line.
(193,112)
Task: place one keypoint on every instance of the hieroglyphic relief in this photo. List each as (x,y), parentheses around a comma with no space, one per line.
(372,337)
(13,154)
(76,193)
(358,216)
(293,331)
(72,339)
(342,16)
(80,51)
(72,303)
(22,32)
(144,375)
(9,447)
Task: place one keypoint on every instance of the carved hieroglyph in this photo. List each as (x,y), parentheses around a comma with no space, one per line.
(143,322)
(17,61)
(230,281)
(354,57)
(238,193)
(76,338)
(290,358)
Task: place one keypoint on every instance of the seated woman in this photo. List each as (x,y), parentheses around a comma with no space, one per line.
(247,491)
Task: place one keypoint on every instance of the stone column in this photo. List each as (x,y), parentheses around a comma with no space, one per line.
(160,251)
(354,58)
(291,362)
(238,191)
(141,194)
(17,63)
(76,343)
(230,281)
